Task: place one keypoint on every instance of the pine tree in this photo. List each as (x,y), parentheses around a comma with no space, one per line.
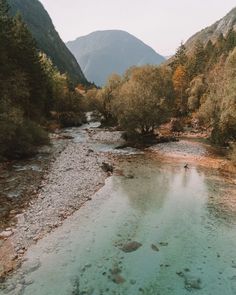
(180,57)
(230,40)
(4,8)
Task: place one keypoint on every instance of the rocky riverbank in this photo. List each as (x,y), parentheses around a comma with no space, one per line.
(191,151)
(72,179)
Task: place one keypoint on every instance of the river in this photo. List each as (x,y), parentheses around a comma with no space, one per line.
(155,228)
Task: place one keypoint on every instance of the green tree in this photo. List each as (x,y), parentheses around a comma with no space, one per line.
(197,62)
(230,40)
(180,58)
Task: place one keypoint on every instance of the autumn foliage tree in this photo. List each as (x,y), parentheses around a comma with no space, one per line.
(180,82)
(219,108)
(144,100)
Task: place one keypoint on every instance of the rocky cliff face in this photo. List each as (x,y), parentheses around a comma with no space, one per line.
(223,26)
(102,53)
(47,38)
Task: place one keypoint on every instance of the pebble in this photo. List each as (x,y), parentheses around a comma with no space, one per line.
(6,234)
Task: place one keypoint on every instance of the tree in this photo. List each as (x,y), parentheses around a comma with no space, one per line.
(180,82)
(198,61)
(230,40)
(180,58)
(103,98)
(219,109)
(196,91)
(4,8)
(144,100)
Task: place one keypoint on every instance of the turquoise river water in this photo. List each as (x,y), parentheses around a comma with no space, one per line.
(185,230)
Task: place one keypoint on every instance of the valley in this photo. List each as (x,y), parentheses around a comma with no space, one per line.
(117,165)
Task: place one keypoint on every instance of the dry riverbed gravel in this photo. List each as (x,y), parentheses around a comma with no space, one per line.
(72,180)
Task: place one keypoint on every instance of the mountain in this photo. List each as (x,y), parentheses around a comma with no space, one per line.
(47,38)
(102,53)
(223,26)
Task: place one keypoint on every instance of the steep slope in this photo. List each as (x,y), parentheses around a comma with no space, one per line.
(102,53)
(48,40)
(223,26)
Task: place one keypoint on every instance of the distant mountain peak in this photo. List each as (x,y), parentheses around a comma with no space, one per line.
(104,52)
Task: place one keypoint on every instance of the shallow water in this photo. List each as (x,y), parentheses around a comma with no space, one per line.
(163,207)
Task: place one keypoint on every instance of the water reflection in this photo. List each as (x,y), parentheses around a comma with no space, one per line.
(179,211)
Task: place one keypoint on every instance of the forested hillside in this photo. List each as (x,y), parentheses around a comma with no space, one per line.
(47,39)
(205,84)
(31,90)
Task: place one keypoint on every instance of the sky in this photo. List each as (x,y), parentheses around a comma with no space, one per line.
(162,24)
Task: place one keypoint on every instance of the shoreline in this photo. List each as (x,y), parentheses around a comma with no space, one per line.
(71,180)
(74,178)
(194,153)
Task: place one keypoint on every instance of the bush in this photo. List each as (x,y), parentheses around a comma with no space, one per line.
(20,140)
(71,119)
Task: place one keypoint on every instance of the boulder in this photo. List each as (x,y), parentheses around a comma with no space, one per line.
(106,167)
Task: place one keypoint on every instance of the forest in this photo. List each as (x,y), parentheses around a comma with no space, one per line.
(33,93)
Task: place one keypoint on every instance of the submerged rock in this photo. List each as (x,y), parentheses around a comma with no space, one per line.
(164,244)
(117,279)
(116,276)
(130,176)
(180,274)
(115,271)
(131,247)
(192,283)
(154,248)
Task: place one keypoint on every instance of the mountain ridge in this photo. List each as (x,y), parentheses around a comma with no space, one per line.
(48,40)
(212,32)
(104,52)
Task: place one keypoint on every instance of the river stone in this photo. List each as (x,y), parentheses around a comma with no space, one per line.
(154,248)
(192,283)
(118,279)
(106,167)
(164,244)
(5,234)
(131,247)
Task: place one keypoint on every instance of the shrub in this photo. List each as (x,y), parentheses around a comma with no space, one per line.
(71,119)
(20,140)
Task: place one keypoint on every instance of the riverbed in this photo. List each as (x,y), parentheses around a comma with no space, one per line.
(153,228)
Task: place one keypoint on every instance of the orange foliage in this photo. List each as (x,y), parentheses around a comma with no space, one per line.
(180,79)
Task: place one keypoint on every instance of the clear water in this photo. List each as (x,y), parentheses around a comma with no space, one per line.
(179,211)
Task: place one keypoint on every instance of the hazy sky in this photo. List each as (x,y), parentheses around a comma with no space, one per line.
(162,24)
